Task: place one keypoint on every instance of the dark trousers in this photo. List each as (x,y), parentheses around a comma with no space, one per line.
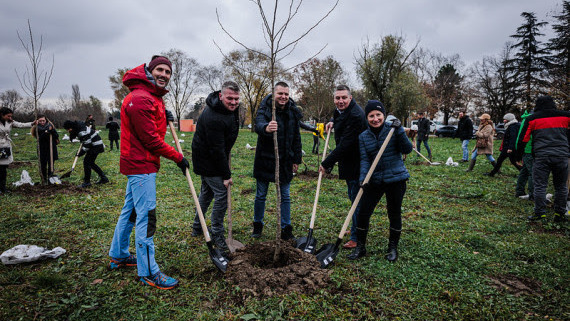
(3,175)
(89,163)
(502,156)
(394,197)
(316,143)
(47,171)
(116,143)
(540,172)
(525,175)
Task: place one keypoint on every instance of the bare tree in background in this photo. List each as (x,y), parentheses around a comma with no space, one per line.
(213,76)
(279,48)
(75,96)
(119,89)
(183,82)
(11,99)
(34,80)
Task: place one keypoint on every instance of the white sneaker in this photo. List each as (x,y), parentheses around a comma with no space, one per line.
(524,197)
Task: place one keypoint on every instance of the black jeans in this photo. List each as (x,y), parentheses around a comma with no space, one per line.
(89,163)
(316,143)
(372,195)
(502,156)
(116,143)
(540,171)
(3,178)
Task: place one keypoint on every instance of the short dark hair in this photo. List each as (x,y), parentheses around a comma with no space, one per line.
(5,111)
(342,87)
(231,85)
(41,116)
(110,118)
(281,84)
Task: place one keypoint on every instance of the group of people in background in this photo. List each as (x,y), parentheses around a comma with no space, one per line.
(540,141)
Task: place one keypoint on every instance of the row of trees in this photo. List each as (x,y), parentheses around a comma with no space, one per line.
(405,78)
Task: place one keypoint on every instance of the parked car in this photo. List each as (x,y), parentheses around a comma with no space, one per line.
(432,125)
(445,131)
(500,131)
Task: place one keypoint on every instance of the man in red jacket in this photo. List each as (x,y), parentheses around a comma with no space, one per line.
(143,126)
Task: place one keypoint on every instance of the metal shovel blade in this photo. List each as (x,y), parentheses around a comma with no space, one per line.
(327,253)
(234,245)
(307,243)
(217,258)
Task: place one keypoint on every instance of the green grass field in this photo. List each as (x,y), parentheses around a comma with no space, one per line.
(466,253)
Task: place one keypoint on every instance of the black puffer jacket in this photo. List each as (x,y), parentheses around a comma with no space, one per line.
(347,126)
(216,133)
(423,129)
(288,141)
(46,132)
(464,128)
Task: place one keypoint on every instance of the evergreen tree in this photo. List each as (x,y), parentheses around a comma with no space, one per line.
(531,58)
(559,68)
(446,93)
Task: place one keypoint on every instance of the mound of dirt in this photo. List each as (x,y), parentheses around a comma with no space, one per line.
(515,285)
(253,271)
(39,190)
(309,175)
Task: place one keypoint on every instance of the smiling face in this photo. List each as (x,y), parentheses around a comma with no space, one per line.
(161,74)
(230,99)
(375,118)
(42,121)
(281,96)
(7,117)
(342,99)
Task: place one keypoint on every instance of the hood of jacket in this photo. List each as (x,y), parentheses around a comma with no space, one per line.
(140,78)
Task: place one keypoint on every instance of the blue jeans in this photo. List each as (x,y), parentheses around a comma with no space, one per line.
(465,147)
(213,189)
(138,210)
(353,187)
(489,156)
(419,144)
(259,205)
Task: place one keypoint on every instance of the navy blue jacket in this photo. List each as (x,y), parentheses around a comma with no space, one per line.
(391,167)
(288,141)
(347,126)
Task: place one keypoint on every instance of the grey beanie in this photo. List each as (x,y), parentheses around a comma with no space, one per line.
(509,117)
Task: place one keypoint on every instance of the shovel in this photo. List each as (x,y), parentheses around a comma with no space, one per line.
(66,175)
(434,163)
(308,243)
(53,178)
(328,252)
(233,245)
(217,258)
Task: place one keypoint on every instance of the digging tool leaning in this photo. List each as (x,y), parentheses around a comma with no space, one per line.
(308,243)
(328,252)
(233,244)
(434,163)
(217,258)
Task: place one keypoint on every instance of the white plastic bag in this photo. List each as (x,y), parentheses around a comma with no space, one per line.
(450,162)
(24,179)
(29,253)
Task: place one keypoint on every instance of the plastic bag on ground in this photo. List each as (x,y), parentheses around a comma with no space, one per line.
(450,162)
(29,253)
(24,179)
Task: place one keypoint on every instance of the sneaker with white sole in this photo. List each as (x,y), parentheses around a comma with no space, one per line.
(160,281)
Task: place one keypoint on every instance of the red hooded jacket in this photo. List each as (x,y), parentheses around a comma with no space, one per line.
(143,126)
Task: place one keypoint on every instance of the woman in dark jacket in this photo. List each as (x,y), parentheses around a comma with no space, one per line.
(508,145)
(389,177)
(44,131)
(92,146)
(113,128)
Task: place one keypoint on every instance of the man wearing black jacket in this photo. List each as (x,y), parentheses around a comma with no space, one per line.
(348,122)
(464,132)
(548,129)
(423,133)
(216,132)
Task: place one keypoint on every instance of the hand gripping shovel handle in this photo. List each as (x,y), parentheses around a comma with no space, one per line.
(219,260)
(313,214)
(366,179)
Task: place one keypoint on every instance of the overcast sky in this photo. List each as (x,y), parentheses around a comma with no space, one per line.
(90,40)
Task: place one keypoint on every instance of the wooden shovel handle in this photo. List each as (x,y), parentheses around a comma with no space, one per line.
(415,150)
(192,190)
(313,214)
(366,179)
(230,236)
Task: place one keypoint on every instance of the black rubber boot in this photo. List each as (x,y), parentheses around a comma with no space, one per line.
(360,249)
(287,233)
(257,229)
(393,245)
(220,242)
(471,165)
(103,180)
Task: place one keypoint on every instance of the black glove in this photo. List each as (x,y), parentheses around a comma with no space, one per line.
(169,116)
(396,123)
(81,152)
(364,186)
(183,164)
